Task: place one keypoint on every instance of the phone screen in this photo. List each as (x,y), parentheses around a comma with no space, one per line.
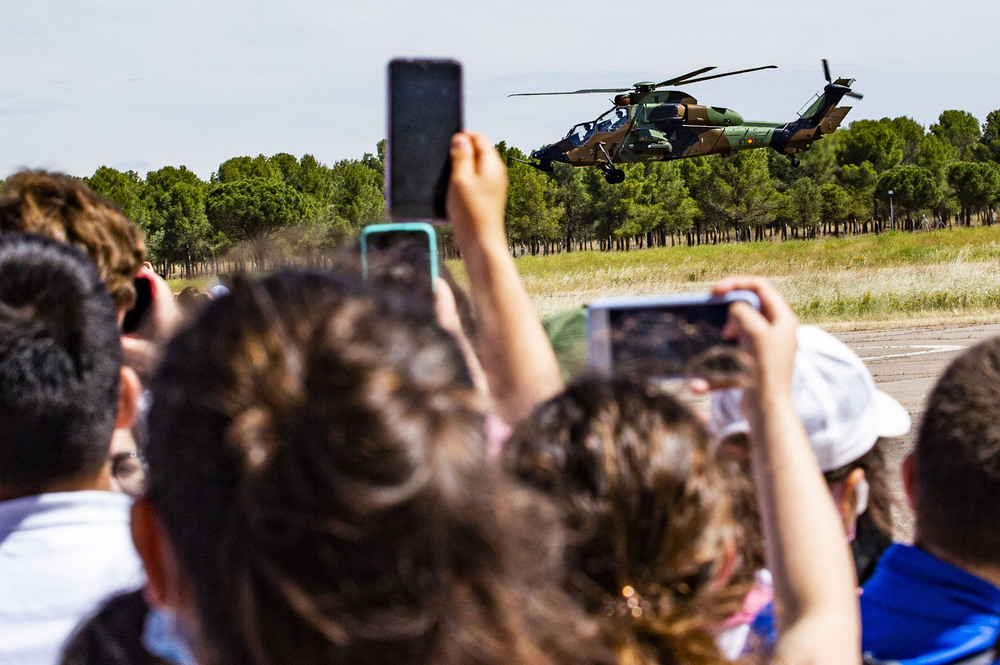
(143,300)
(425,111)
(670,341)
(405,254)
(665,336)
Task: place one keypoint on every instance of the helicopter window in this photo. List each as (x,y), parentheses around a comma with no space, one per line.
(581,133)
(613,120)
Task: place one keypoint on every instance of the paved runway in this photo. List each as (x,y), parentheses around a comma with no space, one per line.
(905,363)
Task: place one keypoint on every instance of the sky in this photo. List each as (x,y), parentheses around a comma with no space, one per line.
(142,85)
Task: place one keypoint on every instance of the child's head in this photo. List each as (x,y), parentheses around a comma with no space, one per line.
(652,535)
(316,460)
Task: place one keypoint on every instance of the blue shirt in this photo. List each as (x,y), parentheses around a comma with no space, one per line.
(918,610)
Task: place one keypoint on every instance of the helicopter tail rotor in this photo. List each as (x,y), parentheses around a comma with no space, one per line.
(830,81)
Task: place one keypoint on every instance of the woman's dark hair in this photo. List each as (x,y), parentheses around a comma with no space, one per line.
(190,300)
(316,457)
(648,512)
(873,533)
(879,493)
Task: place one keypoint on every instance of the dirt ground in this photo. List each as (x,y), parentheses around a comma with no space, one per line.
(905,363)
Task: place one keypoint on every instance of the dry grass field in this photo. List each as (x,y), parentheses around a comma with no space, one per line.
(893,279)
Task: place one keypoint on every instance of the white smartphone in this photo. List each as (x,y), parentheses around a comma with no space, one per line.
(663,336)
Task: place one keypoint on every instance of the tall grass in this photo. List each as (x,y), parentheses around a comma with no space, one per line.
(893,278)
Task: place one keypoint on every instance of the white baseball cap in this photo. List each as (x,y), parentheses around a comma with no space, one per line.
(835,396)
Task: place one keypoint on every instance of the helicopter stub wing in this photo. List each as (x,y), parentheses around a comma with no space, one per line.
(833,119)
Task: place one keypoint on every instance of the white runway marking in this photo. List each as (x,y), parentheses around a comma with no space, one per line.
(925,349)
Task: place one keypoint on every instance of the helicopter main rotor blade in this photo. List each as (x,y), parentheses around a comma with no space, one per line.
(677,80)
(683,77)
(826,71)
(719,76)
(856,95)
(571,92)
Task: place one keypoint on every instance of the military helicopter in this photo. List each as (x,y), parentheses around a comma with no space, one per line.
(649,124)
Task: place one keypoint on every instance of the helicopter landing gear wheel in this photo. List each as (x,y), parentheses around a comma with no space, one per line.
(614,176)
(795,162)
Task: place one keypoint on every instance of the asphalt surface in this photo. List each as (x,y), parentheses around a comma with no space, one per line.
(905,363)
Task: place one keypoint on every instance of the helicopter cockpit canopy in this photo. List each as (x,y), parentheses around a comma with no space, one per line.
(581,133)
(611,121)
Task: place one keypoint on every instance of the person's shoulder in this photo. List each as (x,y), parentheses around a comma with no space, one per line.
(567,333)
(112,635)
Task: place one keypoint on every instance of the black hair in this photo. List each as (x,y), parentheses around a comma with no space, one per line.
(60,362)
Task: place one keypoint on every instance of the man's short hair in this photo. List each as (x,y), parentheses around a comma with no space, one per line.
(956,460)
(63,208)
(60,360)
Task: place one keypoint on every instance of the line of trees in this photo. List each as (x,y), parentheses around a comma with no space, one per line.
(250,209)
(945,175)
(255,208)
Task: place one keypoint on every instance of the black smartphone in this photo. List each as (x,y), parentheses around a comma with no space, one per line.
(404,252)
(425,111)
(663,336)
(143,301)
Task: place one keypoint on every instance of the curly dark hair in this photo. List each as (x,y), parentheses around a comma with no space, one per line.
(316,457)
(648,510)
(63,208)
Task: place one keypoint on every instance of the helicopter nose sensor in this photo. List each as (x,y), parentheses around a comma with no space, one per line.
(551,153)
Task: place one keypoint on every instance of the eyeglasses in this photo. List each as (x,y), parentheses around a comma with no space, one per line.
(129,469)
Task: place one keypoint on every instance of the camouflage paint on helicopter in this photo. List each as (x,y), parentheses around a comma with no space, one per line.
(648,124)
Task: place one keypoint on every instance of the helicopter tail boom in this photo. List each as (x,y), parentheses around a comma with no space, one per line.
(821,118)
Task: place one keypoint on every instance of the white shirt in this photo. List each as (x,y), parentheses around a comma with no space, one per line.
(61,555)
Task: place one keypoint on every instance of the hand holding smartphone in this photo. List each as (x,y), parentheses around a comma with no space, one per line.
(425,111)
(144,294)
(664,336)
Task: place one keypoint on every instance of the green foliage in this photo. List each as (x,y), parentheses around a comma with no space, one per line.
(976,185)
(803,204)
(667,193)
(991,134)
(858,182)
(959,128)
(356,194)
(532,213)
(311,178)
(914,189)
(752,196)
(935,154)
(842,178)
(872,141)
(255,207)
(125,189)
(834,203)
(911,134)
(244,168)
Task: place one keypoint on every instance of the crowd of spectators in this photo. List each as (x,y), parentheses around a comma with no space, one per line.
(319,468)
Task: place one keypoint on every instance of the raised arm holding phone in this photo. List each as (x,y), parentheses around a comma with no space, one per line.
(804,543)
(520,365)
